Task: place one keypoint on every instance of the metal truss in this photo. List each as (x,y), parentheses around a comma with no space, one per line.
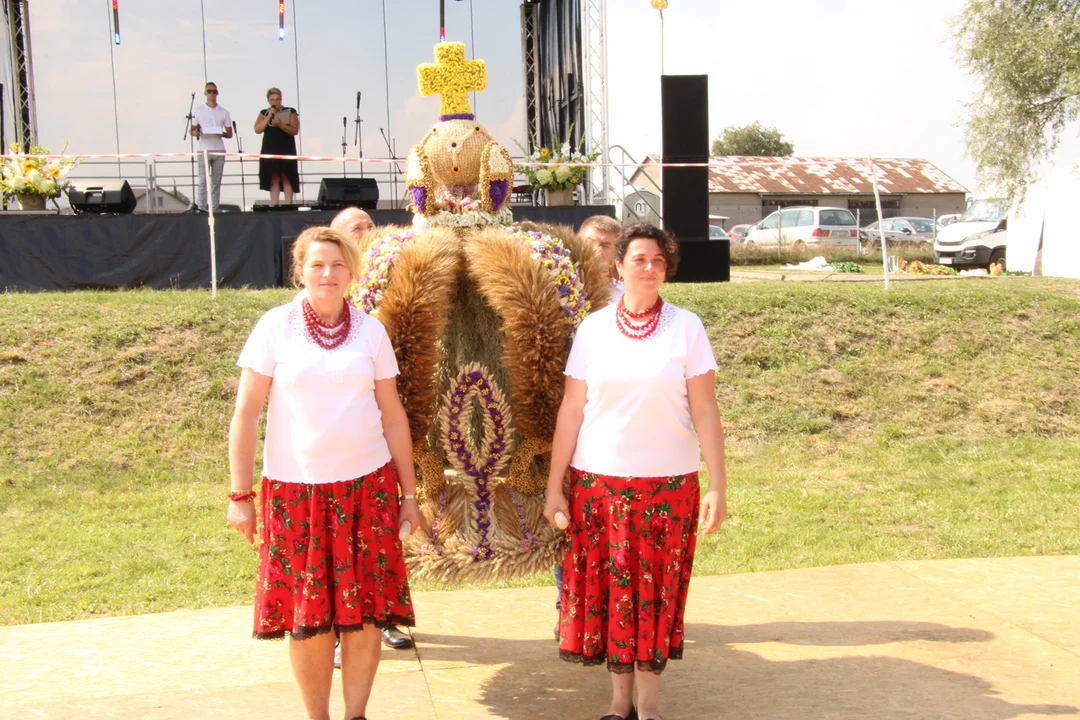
(594,49)
(530,63)
(17,16)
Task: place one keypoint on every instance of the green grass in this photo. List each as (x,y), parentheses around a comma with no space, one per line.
(936,420)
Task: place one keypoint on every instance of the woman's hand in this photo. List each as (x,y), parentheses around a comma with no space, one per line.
(713,511)
(241,516)
(410,511)
(556,503)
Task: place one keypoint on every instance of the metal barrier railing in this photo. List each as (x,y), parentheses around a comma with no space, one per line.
(169,184)
(619,164)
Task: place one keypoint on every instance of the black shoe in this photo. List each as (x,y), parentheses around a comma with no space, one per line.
(394,638)
(631,716)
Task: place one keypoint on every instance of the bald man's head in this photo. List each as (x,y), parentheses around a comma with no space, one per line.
(352,222)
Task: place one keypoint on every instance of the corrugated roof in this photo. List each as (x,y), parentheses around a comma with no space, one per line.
(822,176)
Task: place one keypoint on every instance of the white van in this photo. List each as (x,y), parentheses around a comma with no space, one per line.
(978,238)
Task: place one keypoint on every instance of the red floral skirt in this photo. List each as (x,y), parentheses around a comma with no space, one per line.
(629,554)
(330,557)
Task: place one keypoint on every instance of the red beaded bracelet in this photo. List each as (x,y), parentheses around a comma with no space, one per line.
(241,496)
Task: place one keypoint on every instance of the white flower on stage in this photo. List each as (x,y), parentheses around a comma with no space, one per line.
(19,183)
(562,173)
(47,187)
(33,177)
(543,176)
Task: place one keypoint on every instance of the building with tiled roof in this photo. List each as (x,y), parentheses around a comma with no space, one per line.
(746,189)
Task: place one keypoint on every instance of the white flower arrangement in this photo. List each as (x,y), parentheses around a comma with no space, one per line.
(33,175)
(471,218)
(559,177)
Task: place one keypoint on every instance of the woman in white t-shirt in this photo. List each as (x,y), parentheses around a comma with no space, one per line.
(638,411)
(337,455)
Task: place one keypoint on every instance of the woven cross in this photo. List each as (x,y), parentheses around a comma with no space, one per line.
(453,78)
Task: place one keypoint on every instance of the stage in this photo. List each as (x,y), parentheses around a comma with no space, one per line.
(172,250)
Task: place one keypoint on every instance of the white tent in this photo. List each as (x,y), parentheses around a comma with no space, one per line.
(1047,222)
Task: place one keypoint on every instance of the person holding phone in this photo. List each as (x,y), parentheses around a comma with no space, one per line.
(279,127)
(210,123)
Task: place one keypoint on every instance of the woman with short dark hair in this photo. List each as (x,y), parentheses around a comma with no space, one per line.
(279,126)
(638,411)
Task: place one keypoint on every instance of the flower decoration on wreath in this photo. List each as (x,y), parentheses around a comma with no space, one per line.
(570,164)
(378,260)
(554,257)
(25,174)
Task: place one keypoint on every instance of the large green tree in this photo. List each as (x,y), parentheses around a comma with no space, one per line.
(1026,54)
(752,139)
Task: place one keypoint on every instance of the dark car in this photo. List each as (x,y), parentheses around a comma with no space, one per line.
(718,233)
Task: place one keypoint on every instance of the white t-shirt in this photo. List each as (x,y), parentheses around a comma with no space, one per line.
(637,415)
(616,291)
(211,117)
(322,422)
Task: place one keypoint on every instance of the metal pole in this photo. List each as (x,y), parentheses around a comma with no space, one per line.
(472,50)
(112,67)
(881,225)
(202,13)
(296,60)
(661,42)
(210,222)
(386,68)
(3,143)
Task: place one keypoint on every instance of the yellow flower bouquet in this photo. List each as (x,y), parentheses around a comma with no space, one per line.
(35,176)
(558,177)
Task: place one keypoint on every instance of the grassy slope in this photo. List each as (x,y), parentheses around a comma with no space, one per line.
(938,420)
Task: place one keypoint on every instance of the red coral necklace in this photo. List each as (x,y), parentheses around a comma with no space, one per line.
(326,335)
(625,320)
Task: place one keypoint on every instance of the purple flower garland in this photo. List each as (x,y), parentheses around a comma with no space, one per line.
(484,463)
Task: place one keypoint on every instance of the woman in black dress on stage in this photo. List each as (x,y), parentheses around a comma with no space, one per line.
(279,127)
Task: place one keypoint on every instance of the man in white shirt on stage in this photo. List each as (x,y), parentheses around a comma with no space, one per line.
(210,124)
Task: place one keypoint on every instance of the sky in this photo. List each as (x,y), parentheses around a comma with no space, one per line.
(839,78)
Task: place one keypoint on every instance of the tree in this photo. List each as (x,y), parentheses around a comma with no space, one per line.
(753,140)
(1026,54)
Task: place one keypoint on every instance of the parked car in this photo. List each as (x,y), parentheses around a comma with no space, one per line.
(738,232)
(799,227)
(898,229)
(978,238)
(718,233)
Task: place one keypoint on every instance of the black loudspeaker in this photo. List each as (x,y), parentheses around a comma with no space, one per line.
(343,192)
(105,196)
(685,113)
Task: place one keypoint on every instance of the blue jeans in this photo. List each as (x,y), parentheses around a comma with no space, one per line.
(557,572)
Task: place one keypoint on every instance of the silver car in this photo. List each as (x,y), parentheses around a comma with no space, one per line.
(898,229)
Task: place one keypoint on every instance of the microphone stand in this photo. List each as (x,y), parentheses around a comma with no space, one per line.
(344,144)
(191,142)
(243,178)
(397,170)
(358,136)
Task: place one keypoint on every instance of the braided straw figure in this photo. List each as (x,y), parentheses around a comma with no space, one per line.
(481,313)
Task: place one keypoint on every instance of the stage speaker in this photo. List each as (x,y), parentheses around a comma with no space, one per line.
(685,113)
(104,196)
(343,192)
